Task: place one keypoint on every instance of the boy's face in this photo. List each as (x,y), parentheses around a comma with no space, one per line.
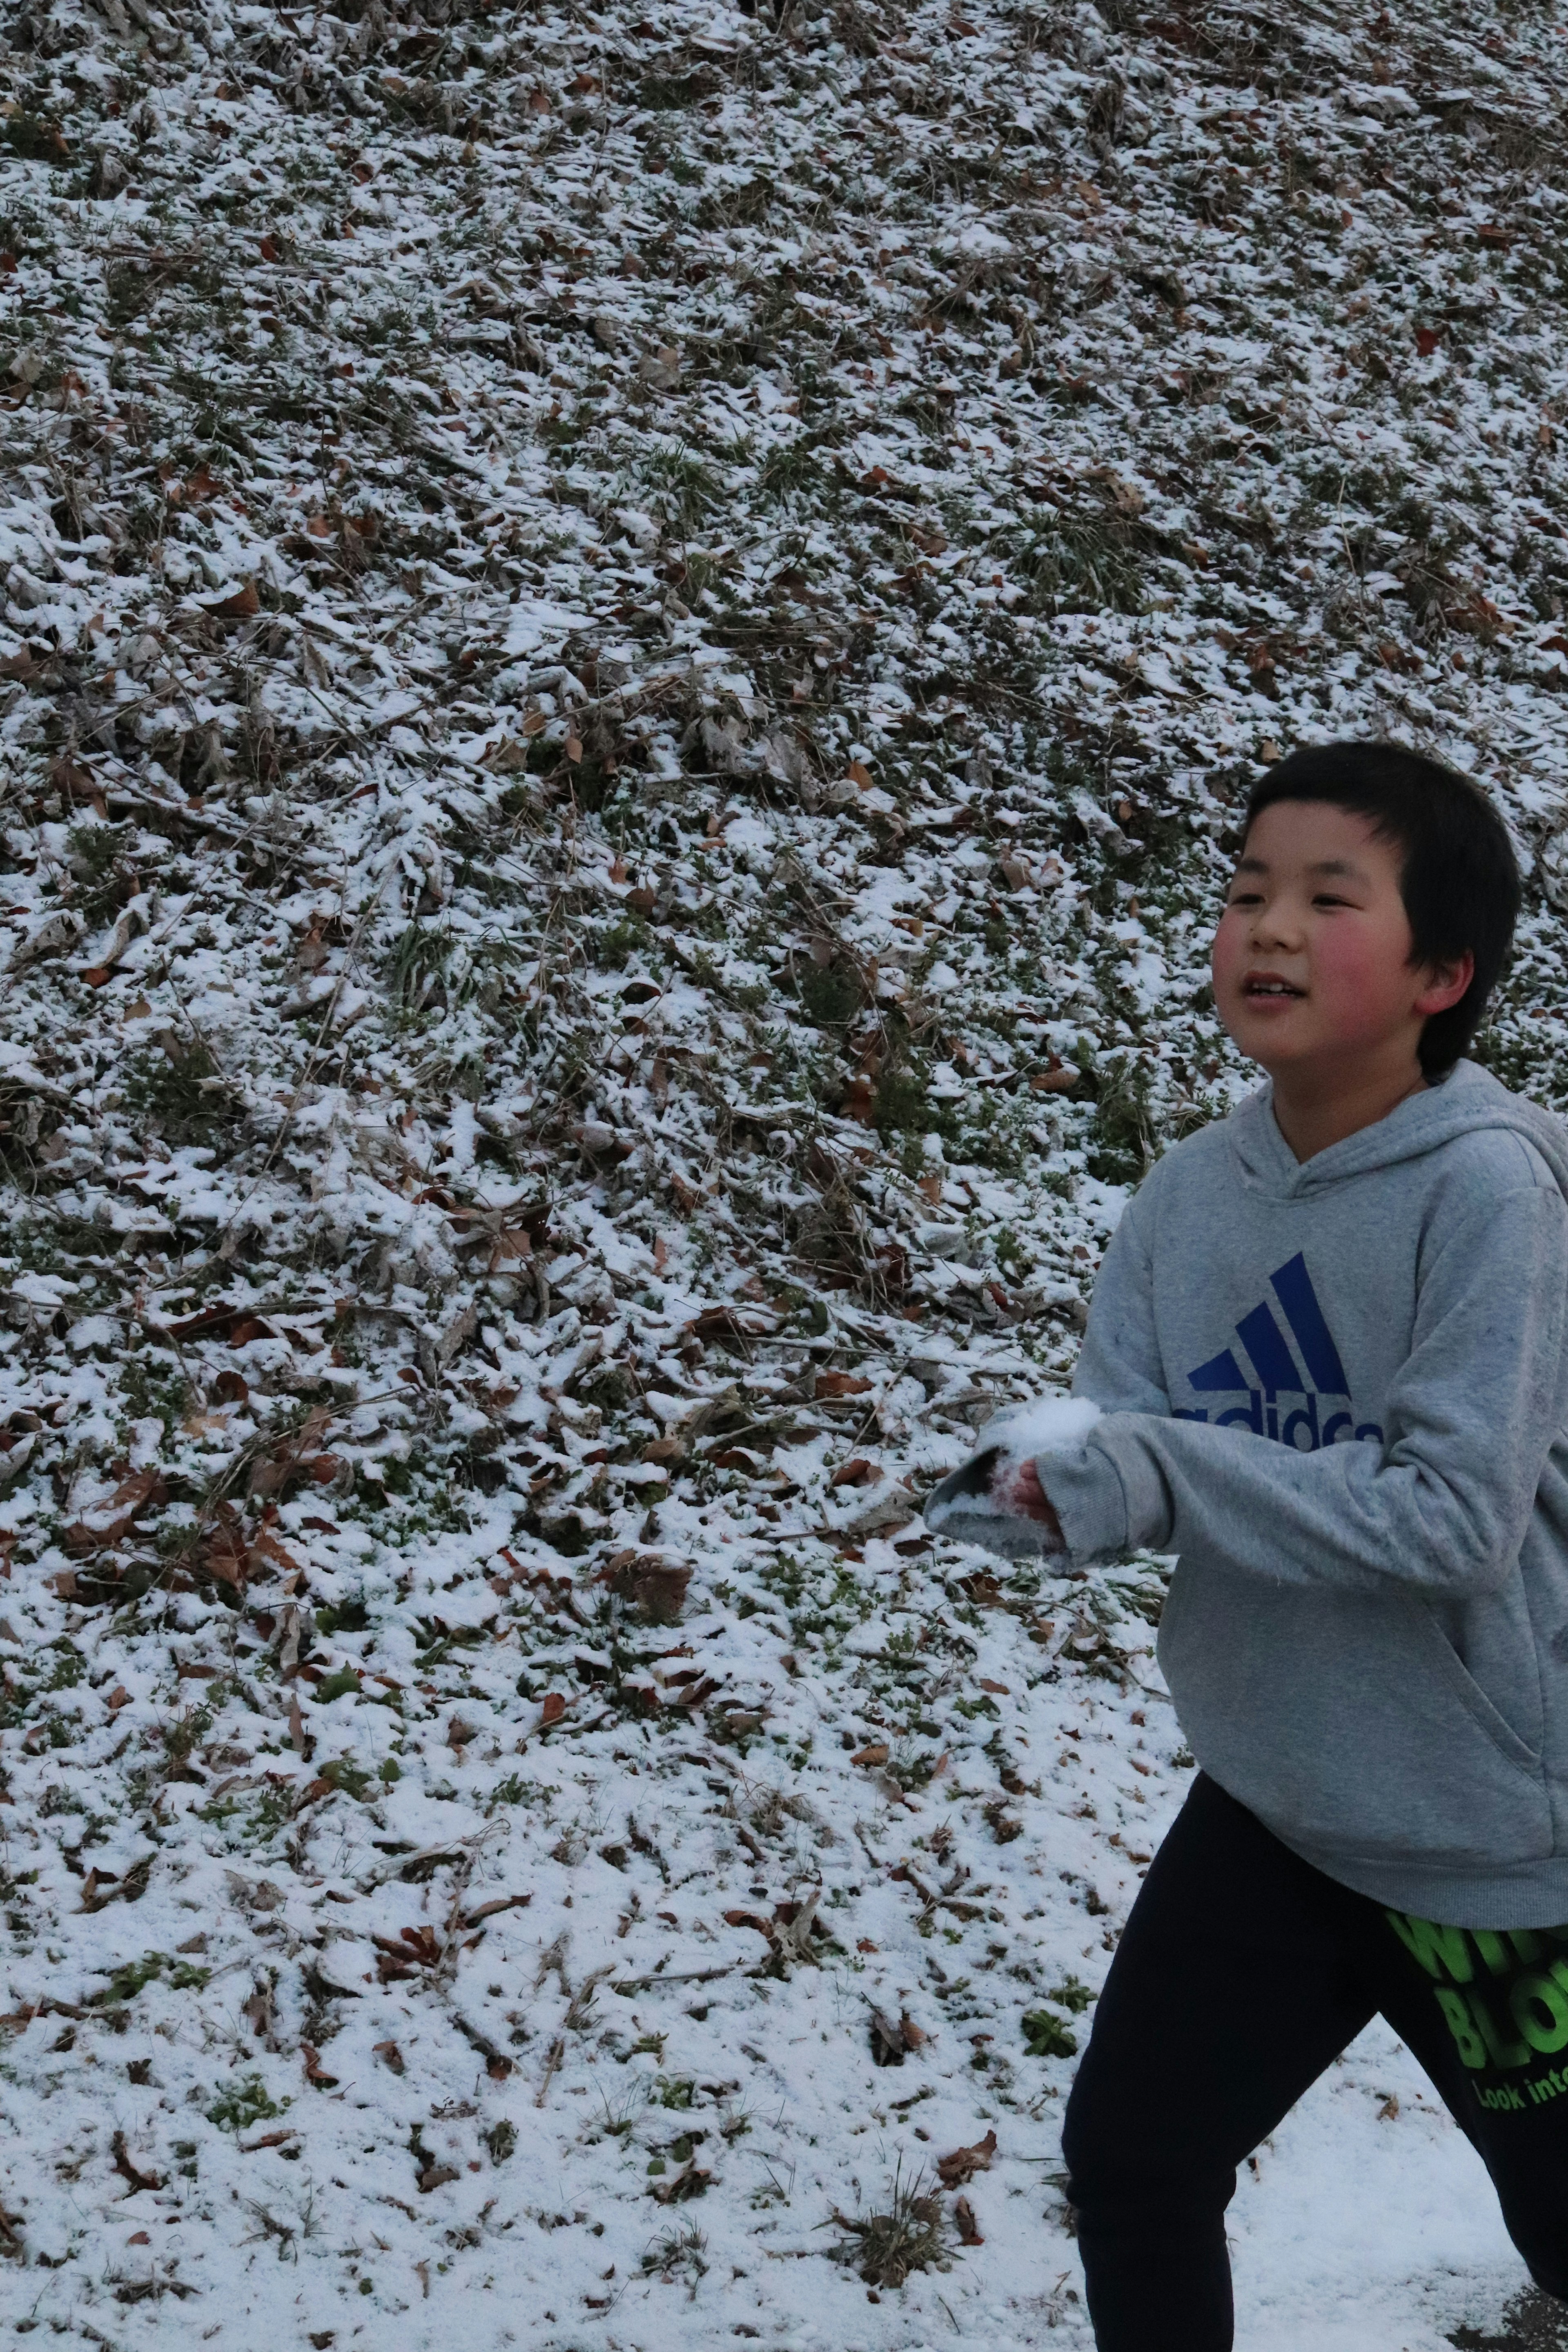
(1312,966)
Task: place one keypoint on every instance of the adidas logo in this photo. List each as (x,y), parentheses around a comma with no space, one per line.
(1320,1419)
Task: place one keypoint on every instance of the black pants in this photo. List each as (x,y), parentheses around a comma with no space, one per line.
(1242,1974)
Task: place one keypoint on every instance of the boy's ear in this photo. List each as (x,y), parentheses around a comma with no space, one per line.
(1444,984)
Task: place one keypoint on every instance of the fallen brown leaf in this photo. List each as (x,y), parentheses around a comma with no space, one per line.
(657,1588)
(127,2171)
(242,605)
(106,1522)
(889,2043)
(858,1473)
(496,1902)
(674,2190)
(965,2162)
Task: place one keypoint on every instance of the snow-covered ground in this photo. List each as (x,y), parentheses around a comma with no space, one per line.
(631,638)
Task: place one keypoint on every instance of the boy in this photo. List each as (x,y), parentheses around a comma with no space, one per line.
(1328,1344)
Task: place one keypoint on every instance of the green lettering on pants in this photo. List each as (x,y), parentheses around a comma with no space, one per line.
(1455,2009)
(1541,2012)
(1503,2053)
(1439,1950)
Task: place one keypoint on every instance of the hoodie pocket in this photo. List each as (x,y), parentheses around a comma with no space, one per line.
(1496,1727)
(1348,1724)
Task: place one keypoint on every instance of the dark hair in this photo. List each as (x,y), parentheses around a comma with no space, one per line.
(1459,883)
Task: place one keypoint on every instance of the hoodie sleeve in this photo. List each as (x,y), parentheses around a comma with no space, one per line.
(1439,1510)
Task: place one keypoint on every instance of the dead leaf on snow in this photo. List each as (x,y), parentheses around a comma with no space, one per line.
(240,603)
(129,2171)
(106,1522)
(655,1587)
(858,1473)
(965,2162)
(893,2038)
(315,2073)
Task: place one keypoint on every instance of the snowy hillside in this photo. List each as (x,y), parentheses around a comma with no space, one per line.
(630,641)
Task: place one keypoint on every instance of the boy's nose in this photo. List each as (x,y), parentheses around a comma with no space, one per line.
(1274,927)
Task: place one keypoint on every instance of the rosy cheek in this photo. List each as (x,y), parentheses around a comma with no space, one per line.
(1356,971)
(1227,954)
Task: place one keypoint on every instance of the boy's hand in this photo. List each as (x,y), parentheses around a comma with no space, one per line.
(1013,1502)
(1016,1488)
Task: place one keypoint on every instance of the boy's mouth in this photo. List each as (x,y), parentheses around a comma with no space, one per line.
(1269,984)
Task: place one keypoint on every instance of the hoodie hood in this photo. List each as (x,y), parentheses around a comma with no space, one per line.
(1468,1099)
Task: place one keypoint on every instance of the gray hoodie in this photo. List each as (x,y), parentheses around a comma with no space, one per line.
(1339,1390)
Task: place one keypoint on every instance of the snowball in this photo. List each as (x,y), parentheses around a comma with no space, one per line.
(1051,1424)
